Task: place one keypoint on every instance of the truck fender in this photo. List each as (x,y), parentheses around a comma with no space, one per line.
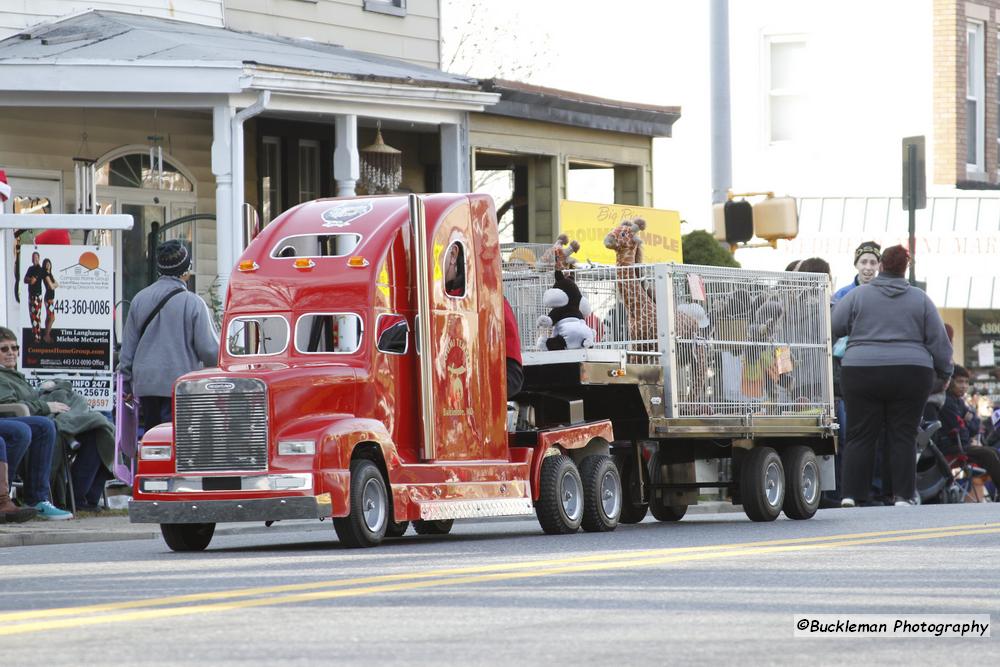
(337,445)
(577,442)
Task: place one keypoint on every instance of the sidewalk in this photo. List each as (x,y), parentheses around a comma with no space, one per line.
(115,526)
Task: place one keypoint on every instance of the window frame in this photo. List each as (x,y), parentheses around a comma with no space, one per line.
(236,318)
(314,145)
(406,346)
(276,178)
(770,92)
(391,7)
(361,335)
(975,78)
(465,267)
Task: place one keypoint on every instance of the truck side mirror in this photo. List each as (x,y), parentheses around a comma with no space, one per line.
(392,333)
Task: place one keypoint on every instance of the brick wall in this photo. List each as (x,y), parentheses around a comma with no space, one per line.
(950,18)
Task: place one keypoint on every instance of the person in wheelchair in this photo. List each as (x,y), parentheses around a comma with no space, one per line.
(959,432)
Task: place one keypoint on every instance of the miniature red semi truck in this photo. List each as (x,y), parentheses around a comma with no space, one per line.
(324,404)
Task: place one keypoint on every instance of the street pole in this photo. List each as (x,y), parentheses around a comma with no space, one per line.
(911,157)
(722,172)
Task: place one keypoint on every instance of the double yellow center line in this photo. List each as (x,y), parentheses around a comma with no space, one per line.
(220,601)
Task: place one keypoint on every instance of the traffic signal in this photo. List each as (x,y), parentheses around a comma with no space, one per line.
(737,221)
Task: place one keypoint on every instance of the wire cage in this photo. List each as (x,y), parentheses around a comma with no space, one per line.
(732,342)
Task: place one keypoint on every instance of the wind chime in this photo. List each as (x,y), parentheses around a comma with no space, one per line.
(155,174)
(381,166)
(85,179)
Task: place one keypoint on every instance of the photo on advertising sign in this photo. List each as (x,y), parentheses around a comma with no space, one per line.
(66,315)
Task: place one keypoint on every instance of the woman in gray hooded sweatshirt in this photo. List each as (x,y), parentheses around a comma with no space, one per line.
(897,346)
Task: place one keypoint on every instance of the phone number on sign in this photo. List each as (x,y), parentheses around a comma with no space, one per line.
(82,307)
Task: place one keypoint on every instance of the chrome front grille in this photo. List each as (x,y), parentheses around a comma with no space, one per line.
(221,424)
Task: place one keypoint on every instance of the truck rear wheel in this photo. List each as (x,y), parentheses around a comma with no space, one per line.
(633,509)
(560,496)
(187,536)
(438,527)
(803,482)
(602,494)
(396,528)
(762,484)
(657,507)
(368,520)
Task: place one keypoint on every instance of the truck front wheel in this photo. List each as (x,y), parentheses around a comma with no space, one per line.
(366,524)
(560,496)
(187,536)
(602,494)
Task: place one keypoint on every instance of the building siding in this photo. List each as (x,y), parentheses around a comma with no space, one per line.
(413,37)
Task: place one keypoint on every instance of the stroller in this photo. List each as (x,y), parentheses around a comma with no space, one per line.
(935,481)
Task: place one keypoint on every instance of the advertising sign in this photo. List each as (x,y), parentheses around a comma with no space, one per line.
(66,316)
(590,223)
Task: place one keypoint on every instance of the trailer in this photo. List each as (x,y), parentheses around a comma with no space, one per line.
(691,363)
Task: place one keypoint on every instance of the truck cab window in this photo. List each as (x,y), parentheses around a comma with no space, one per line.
(315,245)
(328,333)
(454,270)
(393,333)
(257,336)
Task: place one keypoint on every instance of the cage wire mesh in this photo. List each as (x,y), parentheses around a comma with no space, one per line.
(738,341)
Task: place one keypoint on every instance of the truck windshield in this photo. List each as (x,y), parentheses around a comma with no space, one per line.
(337,333)
(257,335)
(315,245)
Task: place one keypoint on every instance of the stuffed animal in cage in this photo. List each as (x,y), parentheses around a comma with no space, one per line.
(564,328)
(767,369)
(640,306)
(560,255)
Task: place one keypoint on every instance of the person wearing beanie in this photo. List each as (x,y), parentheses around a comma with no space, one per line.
(866,260)
(168,332)
(897,346)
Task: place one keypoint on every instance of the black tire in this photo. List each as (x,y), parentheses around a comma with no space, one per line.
(762,484)
(438,527)
(187,536)
(633,511)
(368,520)
(602,494)
(560,501)
(396,528)
(802,482)
(657,508)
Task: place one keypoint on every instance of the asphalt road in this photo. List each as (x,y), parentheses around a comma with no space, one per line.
(713,587)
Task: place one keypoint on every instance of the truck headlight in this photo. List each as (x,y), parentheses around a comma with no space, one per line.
(155,452)
(296,447)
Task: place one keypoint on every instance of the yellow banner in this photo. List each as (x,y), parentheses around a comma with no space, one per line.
(590,223)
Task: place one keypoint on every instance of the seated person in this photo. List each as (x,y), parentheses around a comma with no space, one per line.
(74,420)
(9,512)
(21,433)
(960,427)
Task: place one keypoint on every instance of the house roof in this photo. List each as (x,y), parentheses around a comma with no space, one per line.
(104,36)
(521,100)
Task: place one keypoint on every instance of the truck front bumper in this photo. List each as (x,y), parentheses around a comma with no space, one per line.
(227,511)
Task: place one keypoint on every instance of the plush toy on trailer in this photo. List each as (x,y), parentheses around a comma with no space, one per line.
(564,327)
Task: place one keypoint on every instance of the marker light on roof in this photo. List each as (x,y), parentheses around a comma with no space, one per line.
(357,262)
(248,265)
(304,263)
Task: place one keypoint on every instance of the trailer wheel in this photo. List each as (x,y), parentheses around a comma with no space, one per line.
(438,527)
(368,520)
(802,475)
(187,536)
(602,494)
(560,499)
(633,509)
(660,510)
(396,528)
(762,484)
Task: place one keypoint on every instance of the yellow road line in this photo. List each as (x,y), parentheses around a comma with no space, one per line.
(474,569)
(610,561)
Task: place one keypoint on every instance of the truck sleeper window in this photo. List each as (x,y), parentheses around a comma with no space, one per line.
(328,333)
(315,245)
(257,335)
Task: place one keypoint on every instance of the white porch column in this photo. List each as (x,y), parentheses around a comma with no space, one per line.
(346,163)
(455,170)
(226,219)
